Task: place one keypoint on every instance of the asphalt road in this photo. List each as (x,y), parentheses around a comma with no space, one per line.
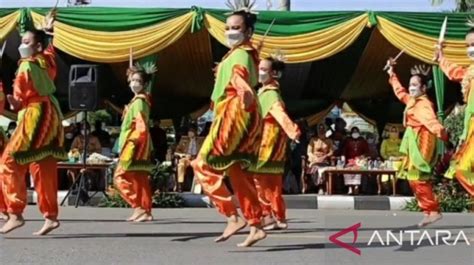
(185,236)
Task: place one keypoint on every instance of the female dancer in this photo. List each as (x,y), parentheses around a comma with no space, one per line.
(463,164)
(134,145)
(277,127)
(37,142)
(419,141)
(232,143)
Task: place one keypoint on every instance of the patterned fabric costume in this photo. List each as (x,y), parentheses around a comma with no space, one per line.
(277,126)
(419,144)
(233,141)
(463,164)
(37,142)
(135,147)
(3,142)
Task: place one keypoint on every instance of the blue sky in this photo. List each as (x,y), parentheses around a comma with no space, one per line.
(302,5)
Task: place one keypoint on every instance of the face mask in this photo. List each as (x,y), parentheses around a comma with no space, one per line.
(470,52)
(69,136)
(414,91)
(136,87)
(355,135)
(25,50)
(11,131)
(234,37)
(263,77)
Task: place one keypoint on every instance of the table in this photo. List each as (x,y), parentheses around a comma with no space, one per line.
(107,167)
(330,172)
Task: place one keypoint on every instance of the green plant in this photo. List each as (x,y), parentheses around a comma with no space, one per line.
(454,124)
(114,201)
(168,200)
(100,115)
(451,198)
(160,177)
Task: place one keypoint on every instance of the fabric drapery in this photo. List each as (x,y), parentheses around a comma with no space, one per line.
(8,21)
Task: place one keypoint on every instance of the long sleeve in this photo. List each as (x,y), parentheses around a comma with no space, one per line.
(50,56)
(383,150)
(240,80)
(21,87)
(278,112)
(452,71)
(427,117)
(398,89)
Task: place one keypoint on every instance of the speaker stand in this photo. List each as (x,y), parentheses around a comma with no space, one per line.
(80,182)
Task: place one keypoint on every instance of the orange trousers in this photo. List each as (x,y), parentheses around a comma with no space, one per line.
(469,187)
(242,183)
(425,196)
(3,206)
(134,187)
(269,188)
(45,177)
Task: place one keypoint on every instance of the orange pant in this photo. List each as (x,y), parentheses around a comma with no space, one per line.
(469,187)
(45,177)
(424,194)
(242,183)
(134,187)
(3,206)
(269,189)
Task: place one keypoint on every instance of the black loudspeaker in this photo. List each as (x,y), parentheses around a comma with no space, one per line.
(83,87)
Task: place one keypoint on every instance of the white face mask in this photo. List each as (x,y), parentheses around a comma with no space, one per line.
(25,50)
(355,135)
(234,37)
(263,77)
(414,91)
(136,87)
(69,136)
(470,52)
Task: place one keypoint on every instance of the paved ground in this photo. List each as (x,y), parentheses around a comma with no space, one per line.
(184,236)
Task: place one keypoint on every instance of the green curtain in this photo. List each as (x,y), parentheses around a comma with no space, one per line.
(439,85)
(293,23)
(113,18)
(430,23)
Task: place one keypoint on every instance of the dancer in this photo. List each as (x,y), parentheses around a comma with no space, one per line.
(419,141)
(277,127)
(135,147)
(3,142)
(37,142)
(234,138)
(463,163)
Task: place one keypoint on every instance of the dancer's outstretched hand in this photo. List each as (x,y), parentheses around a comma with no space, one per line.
(390,63)
(438,53)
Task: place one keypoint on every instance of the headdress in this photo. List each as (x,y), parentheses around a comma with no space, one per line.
(246,6)
(423,70)
(470,22)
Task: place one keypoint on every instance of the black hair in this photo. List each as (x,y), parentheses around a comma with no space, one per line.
(249,19)
(470,31)
(424,80)
(277,65)
(144,75)
(39,36)
(355,128)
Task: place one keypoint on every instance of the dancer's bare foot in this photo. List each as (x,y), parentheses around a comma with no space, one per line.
(256,234)
(435,217)
(425,221)
(268,221)
(3,217)
(14,221)
(49,225)
(234,225)
(137,212)
(146,217)
(282,225)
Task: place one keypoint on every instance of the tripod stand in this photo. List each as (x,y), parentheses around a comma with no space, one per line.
(80,182)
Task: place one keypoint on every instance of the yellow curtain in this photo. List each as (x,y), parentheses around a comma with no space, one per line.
(317,118)
(8,23)
(421,46)
(111,47)
(305,47)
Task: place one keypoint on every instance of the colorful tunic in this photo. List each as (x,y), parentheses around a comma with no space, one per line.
(235,133)
(464,157)
(420,138)
(39,133)
(134,145)
(277,127)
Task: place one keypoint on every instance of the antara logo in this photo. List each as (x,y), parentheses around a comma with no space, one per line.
(399,238)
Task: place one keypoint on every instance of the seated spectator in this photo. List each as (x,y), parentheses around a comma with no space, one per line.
(354,147)
(101,134)
(320,150)
(187,150)
(93,145)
